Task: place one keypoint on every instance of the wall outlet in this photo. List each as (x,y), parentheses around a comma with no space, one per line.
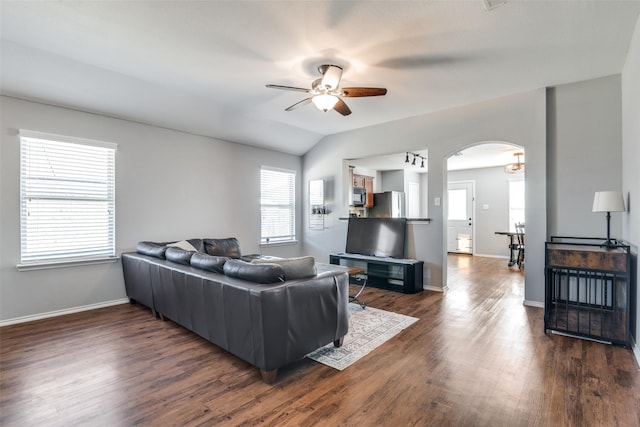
(485,207)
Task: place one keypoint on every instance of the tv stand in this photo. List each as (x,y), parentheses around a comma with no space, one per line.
(396,274)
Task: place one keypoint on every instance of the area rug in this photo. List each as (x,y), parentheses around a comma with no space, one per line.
(368,328)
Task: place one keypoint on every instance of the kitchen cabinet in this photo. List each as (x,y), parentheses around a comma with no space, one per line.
(366,182)
(368,188)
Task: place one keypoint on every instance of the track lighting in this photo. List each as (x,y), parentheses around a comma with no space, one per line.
(415,156)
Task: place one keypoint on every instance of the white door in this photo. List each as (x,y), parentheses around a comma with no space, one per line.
(413,200)
(460,221)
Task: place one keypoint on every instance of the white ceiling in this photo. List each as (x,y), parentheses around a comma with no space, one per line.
(485,155)
(202,66)
(392,162)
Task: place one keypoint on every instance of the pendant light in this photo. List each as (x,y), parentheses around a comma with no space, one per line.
(515,167)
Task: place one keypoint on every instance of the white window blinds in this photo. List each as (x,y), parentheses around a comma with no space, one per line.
(277,205)
(67,198)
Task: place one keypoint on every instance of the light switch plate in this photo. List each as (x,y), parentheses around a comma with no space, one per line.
(485,206)
(436,201)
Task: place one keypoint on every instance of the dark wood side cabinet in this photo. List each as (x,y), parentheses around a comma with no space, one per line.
(590,290)
(402,275)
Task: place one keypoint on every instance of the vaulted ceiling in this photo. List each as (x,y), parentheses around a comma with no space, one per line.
(202,67)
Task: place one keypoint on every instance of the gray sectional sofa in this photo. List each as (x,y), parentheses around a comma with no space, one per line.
(269,312)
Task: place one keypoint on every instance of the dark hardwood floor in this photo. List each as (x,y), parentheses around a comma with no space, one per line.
(476,357)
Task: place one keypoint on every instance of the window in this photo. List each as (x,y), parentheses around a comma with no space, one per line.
(458,205)
(277,205)
(67,199)
(516,203)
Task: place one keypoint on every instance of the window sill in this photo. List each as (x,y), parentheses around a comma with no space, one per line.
(290,242)
(65,263)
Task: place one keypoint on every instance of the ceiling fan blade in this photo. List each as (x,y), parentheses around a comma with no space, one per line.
(298,89)
(363,91)
(298,104)
(342,108)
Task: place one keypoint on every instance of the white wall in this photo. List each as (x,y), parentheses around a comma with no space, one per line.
(169,185)
(393,181)
(424,195)
(518,119)
(409,178)
(491,189)
(631,153)
(631,141)
(584,155)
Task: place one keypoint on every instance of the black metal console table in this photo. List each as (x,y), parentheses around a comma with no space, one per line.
(590,289)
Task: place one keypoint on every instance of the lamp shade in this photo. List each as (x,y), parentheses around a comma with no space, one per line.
(608,201)
(324,102)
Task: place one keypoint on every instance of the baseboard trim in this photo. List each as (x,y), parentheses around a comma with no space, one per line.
(493,256)
(433,288)
(57,313)
(636,352)
(533,303)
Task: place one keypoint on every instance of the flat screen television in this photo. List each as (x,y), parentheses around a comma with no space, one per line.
(383,237)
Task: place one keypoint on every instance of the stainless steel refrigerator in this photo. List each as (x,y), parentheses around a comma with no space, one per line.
(389,204)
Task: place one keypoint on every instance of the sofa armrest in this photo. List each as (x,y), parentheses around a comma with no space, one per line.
(303,316)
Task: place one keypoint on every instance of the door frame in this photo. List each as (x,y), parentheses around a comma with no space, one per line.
(473,214)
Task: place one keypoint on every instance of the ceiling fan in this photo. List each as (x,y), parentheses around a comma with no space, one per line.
(325,93)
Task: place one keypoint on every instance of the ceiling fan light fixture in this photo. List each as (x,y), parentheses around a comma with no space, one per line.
(325,102)
(326,94)
(331,76)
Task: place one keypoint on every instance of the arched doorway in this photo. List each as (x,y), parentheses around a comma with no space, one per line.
(482,197)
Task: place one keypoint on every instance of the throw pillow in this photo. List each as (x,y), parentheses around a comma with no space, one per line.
(184,245)
(178,255)
(151,249)
(294,268)
(229,247)
(209,262)
(259,273)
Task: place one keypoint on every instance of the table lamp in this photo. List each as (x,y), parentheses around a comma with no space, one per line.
(608,201)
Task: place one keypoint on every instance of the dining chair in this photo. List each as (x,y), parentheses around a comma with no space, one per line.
(520,245)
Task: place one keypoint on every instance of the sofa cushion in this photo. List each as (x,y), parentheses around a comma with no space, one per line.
(178,255)
(184,245)
(229,247)
(152,249)
(209,262)
(198,244)
(259,273)
(294,268)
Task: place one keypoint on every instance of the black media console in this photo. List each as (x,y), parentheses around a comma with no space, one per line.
(402,275)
